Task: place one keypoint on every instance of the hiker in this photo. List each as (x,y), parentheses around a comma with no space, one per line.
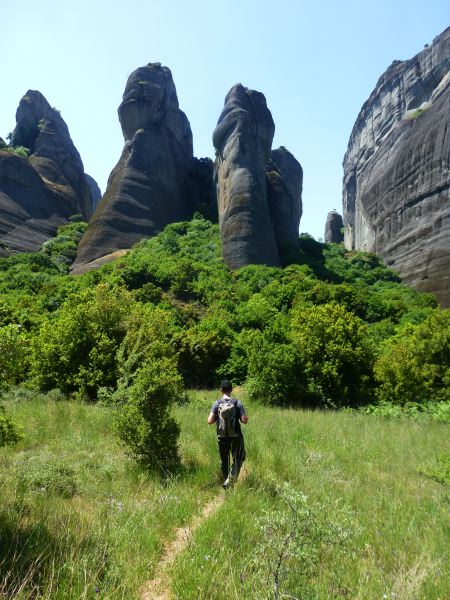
(228,414)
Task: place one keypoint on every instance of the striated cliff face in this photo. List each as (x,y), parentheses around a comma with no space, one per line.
(150,186)
(396,196)
(39,193)
(258,191)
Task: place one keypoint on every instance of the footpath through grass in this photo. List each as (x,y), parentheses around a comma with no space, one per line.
(78,519)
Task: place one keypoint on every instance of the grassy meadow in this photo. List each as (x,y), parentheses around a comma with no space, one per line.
(362,515)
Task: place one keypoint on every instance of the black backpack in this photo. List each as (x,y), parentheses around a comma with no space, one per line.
(227,418)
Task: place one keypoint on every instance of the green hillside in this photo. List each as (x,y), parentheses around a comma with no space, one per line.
(105,452)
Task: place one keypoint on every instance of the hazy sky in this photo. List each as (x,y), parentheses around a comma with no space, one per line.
(316,62)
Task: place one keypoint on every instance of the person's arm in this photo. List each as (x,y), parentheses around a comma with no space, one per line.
(212,417)
(242,414)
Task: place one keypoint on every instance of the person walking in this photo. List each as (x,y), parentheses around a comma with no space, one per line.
(228,413)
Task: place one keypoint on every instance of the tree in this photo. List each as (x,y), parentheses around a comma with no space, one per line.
(144,423)
(336,354)
(415,364)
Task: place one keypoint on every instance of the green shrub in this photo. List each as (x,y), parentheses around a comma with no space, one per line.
(414,366)
(203,349)
(144,423)
(63,247)
(336,354)
(149,336)
(19,150)
(13,355)
(46,473)
(76,350)
(8,432)
(236,366)
(296,537)
(256,312)
(436,411)
(275,374)
(440,472)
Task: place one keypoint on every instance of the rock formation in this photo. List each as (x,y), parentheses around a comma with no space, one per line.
(150,185)
(259,213)
(333,228)
(397,171)
(284,193)
(96,193)
(39,193)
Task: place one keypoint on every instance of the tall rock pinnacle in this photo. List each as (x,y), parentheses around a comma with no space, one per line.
(39,193)
(258,190)
(149,187)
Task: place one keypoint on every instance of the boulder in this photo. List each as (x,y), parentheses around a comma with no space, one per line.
(396,171)
(243,139)
(284,192)
(150,185)
(334,228)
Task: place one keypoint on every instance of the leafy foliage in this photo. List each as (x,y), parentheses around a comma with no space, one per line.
(76,350)
(336,329)
(415,364)
(8,432)
(336,354)
(13,355)
(46,474)
(144,423)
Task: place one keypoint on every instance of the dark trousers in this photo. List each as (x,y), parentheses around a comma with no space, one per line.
(235,448)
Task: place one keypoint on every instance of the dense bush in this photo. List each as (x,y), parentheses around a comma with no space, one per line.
(13,355)
(415,364)
(149,336)
(144,423)
(305,334)
(47,474)
(8,432)
(75,351)
(63,247)
(203,349)
(336,354)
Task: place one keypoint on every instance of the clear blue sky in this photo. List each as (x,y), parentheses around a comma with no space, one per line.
(316,62)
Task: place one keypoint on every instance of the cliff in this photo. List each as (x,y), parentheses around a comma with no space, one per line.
(396,187)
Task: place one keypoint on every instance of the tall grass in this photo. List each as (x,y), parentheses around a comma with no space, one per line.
(78,519)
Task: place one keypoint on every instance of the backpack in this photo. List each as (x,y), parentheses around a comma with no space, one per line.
(226,422)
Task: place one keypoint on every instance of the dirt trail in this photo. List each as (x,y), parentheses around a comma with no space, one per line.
(158,588)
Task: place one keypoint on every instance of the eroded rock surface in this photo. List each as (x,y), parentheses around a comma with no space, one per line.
(396,196)
(334,228)
(150,186)
(39,193)
(284,193)
(243,139)
(96,193)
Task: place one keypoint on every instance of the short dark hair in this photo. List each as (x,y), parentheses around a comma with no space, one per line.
(225,385)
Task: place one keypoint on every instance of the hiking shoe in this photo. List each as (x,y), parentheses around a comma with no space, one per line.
(228,483)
